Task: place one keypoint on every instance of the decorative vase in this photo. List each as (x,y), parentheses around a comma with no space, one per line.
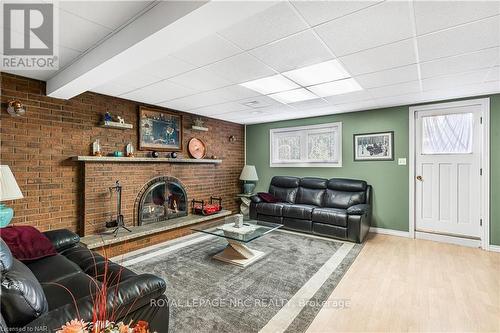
(6,215)
(248,188)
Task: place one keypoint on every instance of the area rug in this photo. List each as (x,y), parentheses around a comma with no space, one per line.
(282,292)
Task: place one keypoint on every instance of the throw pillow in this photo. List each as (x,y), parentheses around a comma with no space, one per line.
(27,243)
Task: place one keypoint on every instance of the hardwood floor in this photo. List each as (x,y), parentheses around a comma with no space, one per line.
(404,285)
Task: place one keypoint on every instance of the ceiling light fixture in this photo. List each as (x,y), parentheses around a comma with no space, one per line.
(336,88)
(319,73)
(270,84)
(292,96)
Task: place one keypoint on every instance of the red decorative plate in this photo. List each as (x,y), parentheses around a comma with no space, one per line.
(197,148)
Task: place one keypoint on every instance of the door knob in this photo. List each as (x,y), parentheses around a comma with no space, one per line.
(419,178)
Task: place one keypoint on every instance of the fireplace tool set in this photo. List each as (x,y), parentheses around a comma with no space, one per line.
(119,221)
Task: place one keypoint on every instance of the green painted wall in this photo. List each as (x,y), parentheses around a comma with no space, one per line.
(389,180)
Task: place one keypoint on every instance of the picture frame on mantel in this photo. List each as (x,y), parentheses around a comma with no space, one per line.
(159,130)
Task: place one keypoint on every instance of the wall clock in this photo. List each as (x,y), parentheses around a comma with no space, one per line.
(197,148)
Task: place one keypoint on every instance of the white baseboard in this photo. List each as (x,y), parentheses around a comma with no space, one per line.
(494,248)
(391,232)
(448,239)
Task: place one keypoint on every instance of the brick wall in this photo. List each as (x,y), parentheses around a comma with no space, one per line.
(38,147)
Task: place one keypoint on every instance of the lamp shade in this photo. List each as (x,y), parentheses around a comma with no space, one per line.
(9,190)
(249,173)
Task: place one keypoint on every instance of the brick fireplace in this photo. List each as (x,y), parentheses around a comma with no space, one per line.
(62,193)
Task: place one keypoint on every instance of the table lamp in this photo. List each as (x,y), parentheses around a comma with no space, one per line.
(248,174)
(9,190)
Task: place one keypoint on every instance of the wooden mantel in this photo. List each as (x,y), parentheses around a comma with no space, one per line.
(105,159)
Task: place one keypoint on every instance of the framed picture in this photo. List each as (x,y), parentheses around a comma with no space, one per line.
(374,146)
(159,130)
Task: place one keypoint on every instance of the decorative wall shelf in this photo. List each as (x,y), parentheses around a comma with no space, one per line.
(117,125)
(199,128)
(104,159)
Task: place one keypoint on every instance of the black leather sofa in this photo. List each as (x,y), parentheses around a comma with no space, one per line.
(40,296)
(338,208)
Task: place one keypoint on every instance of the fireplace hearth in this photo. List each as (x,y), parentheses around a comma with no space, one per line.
(162,199)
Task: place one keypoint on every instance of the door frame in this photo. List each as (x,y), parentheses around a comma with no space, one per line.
(484,103)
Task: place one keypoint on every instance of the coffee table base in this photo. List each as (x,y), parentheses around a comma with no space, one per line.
(238,254)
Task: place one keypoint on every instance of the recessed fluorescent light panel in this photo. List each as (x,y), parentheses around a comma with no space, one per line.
(292,96)
(336,88)
(271,84)
(319,73)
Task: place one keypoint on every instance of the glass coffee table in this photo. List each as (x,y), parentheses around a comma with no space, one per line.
(236,252)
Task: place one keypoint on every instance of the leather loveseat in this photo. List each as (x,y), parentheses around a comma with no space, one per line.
(338,208)
(40,295)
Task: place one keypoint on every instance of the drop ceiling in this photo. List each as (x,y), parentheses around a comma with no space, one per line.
(399,52)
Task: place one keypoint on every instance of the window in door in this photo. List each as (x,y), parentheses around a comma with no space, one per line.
(447,134)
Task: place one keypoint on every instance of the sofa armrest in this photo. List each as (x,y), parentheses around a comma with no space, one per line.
(360,209)
(255,199)
(125,298)
(62,239)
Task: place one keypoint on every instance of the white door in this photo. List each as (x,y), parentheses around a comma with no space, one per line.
(448,170)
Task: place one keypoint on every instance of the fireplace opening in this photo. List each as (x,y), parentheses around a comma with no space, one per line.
(163,199)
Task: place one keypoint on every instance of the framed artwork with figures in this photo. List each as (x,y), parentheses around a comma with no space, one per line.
(159,130)
(374,146)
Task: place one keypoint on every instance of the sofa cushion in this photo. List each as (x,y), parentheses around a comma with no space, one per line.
(79,285)
(349,185)
(298,211)
(284,188)
(64,269)
(273,209)
(343,199)
(23,299)
(311,191)
(329,230)
(334,216)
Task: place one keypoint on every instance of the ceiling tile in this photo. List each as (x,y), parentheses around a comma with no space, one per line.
(406,99)
(293,52)
(200,100)
(111,14)
(316,12)
(388,77)
(356,96)
(135,79)
(357,106)
(455,80)
(240,68)
(235,92)
(436,15)
(222,109)
(395,90)
(461,63)
(67,56)
(158,92)
(166,67)
(377,25)
(310,104)
(493,75)
(467,38)
(381,58)
(112,89)
(269,25)
(79,34)
(210,49)
(200,79)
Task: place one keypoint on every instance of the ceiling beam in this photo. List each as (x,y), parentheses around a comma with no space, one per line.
(164,29)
